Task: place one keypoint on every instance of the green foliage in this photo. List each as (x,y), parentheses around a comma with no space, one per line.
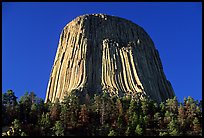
(112,133)
(197,130)
(55,110)
(31,108)
(70,108)
(138,130)
(23,134)
(58,129)
(45,124)
(9,98)
(100,115)
(128,131)
(172,105)
(173,128)
(83,115)
(9,107)
(163,134)
(17,129)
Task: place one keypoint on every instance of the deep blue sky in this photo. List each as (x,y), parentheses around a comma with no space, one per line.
(31,31)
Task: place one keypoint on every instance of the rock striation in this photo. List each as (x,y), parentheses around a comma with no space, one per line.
(99,52)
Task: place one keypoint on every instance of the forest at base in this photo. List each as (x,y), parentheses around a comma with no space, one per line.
(99,115)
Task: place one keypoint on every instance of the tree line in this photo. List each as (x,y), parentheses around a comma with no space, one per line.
(100,115)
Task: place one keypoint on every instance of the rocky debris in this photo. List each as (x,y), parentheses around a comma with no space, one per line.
(99,52)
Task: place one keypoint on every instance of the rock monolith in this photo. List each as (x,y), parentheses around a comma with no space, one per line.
(99,52)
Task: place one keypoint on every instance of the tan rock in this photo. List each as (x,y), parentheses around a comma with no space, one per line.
(99,52)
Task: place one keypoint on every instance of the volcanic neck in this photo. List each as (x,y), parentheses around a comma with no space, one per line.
(99,52)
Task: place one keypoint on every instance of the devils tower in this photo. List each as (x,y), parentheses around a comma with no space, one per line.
(99,52)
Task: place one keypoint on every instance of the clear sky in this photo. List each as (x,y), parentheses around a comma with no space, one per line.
(31,31)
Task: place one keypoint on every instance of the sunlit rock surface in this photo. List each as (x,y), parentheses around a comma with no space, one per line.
(99,52)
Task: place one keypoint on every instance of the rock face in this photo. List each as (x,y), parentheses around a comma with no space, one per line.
(98,52)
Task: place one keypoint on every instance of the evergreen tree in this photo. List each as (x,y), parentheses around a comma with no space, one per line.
(65,115)
(128,131)
(105,109)
(100,116)
(25,104)
(197,130)
(157,120)
(144,106)
(182,119)
(9,107)
(112,133)
(31,108)
(173,128)
(134,122)
(83,115)
(16,127)
(119,107)
(45,124)
(58,129)
(138,130)
(69,111)
(9,98)
(172,105)
(97,103)
(200,105)
(55,110)
(163,134)
(120,123)
(33,114)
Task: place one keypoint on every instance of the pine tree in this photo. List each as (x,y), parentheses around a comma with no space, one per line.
(197,127)
(105,109)
(128,131)
(138,130)
(45,124)
(112,133)
(55,111)
(9,98)
(119,107)
(144,106)
(33,114)
(58,129)
(10,107)
(16,127)
(182,119)
(83,115)
(101,116)
(173,128)
(172,105)
(157,120)
(25,108)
